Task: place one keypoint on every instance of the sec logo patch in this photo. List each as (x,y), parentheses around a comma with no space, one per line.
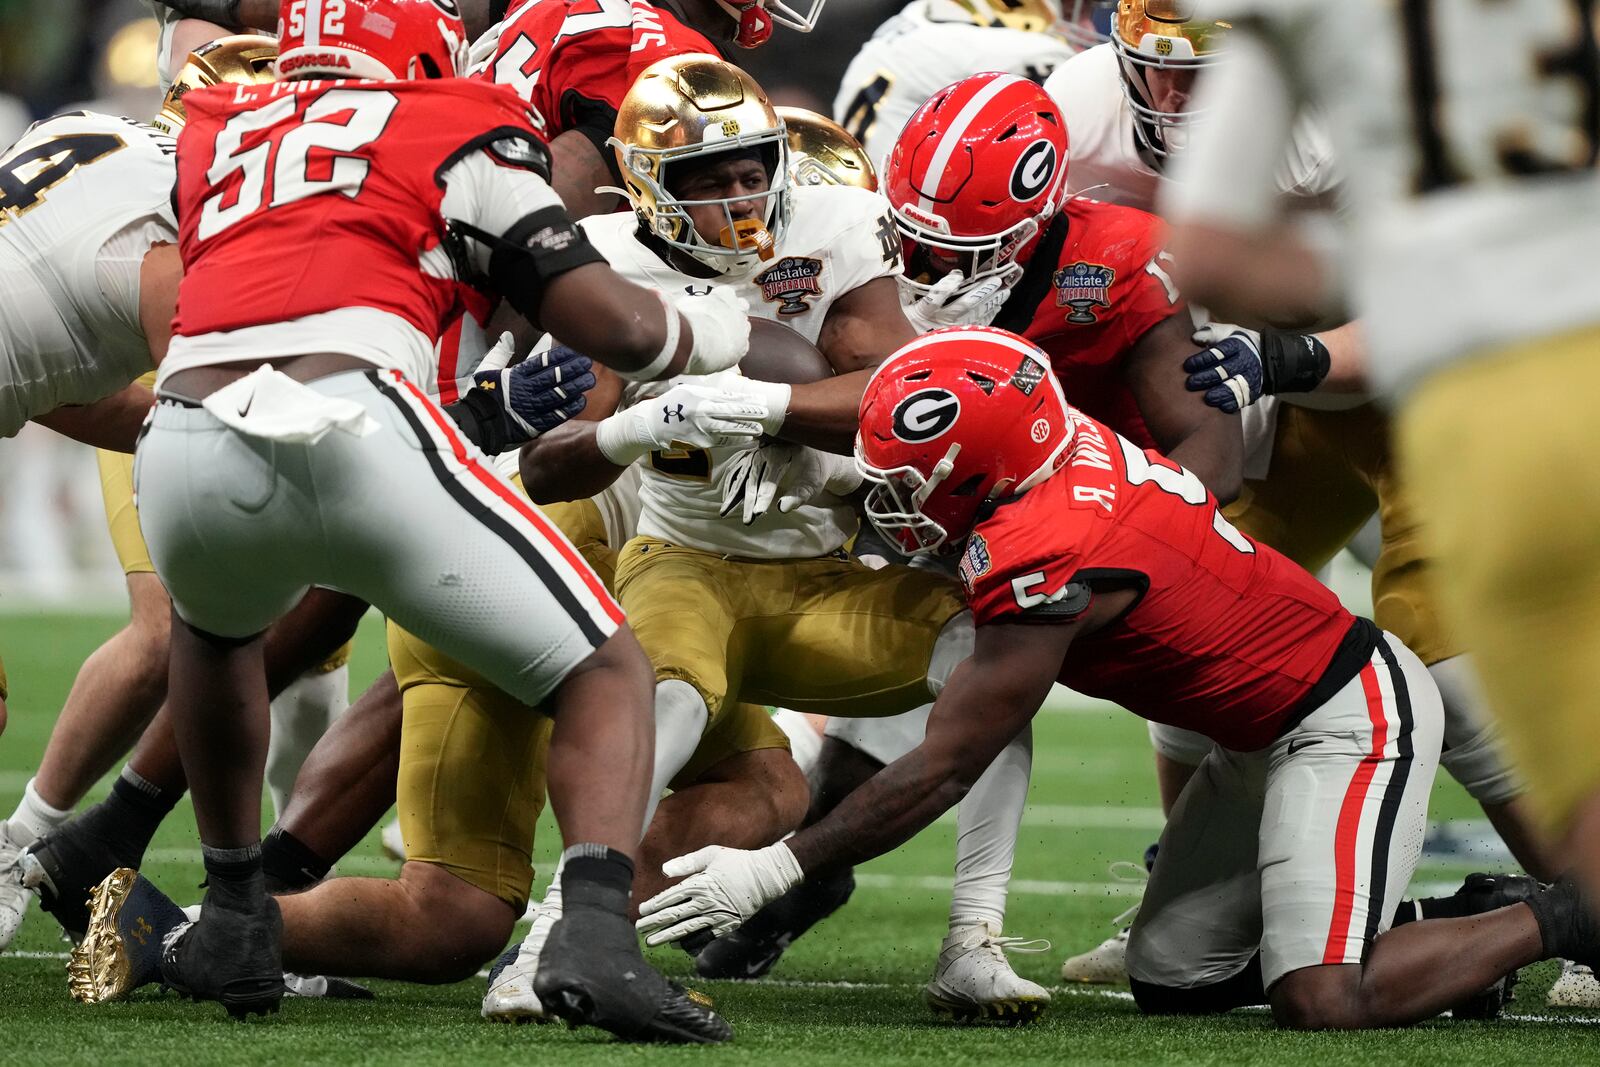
(1041,431)
(925,415)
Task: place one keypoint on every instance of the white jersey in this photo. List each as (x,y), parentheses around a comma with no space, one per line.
(83,197)
(1474,200)
(838,239)
(1108,163)
(924,48)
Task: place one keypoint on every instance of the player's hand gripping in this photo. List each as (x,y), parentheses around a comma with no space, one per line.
(976,307)
(685,416)
(723,888)
(505,407)
(786,474)
(1241,366)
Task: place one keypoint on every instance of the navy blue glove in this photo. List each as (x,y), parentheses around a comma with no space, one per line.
(1244,366)
(506,407)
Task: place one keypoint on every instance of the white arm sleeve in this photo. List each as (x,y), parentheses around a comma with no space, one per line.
(494,197)
(1230,174)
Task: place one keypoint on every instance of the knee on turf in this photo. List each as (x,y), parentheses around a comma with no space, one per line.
(1241,990)
(1320,998)
(458,927)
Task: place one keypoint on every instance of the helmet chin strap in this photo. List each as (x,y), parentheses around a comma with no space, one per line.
(755,25)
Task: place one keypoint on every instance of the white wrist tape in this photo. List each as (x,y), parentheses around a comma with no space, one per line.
(653,370)
(617,437)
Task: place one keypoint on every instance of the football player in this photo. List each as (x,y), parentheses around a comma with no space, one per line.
(931,43)
(1102,565)
(1466,237)
(332,399)
(1314,476)
(976,185)
(704,157)
(94,230)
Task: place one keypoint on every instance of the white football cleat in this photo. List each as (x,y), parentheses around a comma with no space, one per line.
(1576,988)
(13,895)
(973,981)
(1105,964)
(511,998)
(394,846)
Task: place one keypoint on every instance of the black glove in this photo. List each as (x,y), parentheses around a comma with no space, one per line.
(505,408)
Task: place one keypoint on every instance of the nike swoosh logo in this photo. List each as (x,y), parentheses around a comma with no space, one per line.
(1296,746)
(244,409)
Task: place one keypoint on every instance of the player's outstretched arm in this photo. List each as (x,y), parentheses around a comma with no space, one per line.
(863,328)
(112,423)
(1202,438)
(987,701)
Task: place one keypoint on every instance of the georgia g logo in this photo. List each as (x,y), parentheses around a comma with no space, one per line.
(925,415)
(1035,167)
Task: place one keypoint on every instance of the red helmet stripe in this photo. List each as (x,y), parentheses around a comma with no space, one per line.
(950,140)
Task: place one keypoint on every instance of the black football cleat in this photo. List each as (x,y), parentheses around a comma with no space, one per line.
(753,949)
(591,973)
(129,921)
(231,955)
(64,866)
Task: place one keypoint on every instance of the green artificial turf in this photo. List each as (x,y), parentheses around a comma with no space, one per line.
(848,993)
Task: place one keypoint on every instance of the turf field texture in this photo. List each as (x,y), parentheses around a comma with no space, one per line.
(849,993)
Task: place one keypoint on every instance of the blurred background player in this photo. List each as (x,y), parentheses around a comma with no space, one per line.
(932,43)
(1466,231)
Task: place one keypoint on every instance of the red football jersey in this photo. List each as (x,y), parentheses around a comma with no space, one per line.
(261,238)
(1096,284)
(574,60)
(1228,638)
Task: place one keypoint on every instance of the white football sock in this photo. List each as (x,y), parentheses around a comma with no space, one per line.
(33,817)
(681,717)
(805,743)
(301,714)
(986,835)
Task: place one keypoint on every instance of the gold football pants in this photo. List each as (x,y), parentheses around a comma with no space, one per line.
(1500,451)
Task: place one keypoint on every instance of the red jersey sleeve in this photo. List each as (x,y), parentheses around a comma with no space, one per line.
(1013,574)
(574,60)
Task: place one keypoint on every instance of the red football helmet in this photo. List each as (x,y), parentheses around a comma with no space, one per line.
(977,173)
(756,17)
(390,40)
(956,419)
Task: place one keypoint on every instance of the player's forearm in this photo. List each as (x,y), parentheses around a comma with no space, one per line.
(886,810)
(566,464)
(577,170)
(1214,453)
(1347,359)
(825,414)
(1271,276)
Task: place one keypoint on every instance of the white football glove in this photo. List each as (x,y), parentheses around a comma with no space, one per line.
(720,321)
(977,307)
(788,474)
(685,416)
(724,887)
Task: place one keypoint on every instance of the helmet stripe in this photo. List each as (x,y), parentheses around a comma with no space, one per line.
(952,136)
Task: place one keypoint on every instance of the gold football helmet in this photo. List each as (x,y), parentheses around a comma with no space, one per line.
(695,107)
(1163,35)
(822,152)
(243,59)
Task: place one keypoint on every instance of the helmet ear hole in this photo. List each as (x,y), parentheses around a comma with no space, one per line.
(430,69)
(971,486)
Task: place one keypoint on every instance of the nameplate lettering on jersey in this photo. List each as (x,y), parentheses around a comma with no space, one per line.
(1089,452)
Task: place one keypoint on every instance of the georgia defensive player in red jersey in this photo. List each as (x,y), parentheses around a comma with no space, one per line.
(977,183)
(1091,561)
(292,447)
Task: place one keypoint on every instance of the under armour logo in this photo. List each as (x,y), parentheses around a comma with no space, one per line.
(141,930)
(668,413)
(697,290)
